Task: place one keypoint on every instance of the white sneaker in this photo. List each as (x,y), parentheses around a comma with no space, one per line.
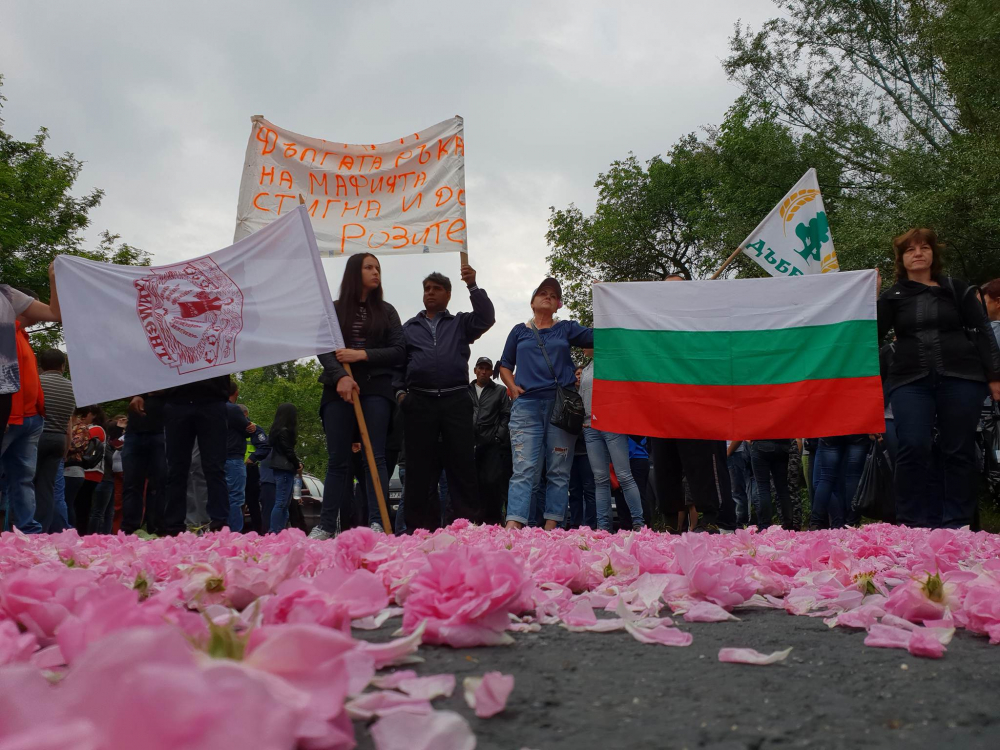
(320,534)
(377,528)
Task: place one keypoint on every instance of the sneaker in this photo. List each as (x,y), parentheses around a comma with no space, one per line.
(320,534)
(638,526)
(377,528)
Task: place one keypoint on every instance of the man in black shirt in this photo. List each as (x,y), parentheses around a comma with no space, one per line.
(437,410)
(491,416)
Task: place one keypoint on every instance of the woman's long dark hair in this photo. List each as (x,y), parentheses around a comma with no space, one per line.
(351,287)
(286,418)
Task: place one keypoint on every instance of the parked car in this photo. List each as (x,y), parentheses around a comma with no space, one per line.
(312,501)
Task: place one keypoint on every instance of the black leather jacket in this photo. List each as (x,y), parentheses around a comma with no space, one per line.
(941,329)
(374,376)
(491,414)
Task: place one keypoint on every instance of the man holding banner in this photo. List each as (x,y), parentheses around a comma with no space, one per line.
(436,403)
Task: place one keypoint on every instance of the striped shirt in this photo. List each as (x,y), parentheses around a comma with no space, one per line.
(59,401)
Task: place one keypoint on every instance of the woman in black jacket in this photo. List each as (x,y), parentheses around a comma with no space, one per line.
(944,358)
(375,347)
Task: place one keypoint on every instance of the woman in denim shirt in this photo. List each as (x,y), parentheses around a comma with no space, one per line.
(533,390)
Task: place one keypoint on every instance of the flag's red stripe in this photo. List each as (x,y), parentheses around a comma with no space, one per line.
(810,408)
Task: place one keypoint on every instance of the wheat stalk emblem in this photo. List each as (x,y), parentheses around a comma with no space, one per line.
(790,206)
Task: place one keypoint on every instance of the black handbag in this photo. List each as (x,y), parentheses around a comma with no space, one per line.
(874,496)
(568,413)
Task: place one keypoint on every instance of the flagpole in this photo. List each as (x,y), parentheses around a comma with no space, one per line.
(366,441)
(725,265)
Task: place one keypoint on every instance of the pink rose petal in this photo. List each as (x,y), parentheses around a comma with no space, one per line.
(487,695)
(385,702)
(429,688)
(708,612)
(888,636)
(662,634)
(438,730)
(750,656)
(391,681)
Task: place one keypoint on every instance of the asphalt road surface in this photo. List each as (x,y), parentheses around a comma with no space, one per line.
(607,690)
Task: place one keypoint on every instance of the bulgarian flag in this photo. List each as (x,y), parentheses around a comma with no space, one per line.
(742,359)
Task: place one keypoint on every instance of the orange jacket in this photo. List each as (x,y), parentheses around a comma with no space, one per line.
(29,401)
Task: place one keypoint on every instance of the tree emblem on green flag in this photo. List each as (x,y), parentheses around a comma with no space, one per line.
(813,236)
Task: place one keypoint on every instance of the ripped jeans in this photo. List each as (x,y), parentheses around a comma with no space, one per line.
(538,448)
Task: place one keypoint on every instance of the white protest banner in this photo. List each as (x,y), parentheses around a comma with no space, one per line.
(405,196)
(261,301)
(794,239)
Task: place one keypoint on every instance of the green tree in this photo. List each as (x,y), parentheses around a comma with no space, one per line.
(685,212)
(905,93)
(262,390)
(40,218)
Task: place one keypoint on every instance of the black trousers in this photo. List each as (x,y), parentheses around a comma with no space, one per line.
(144,473)
(184,423)
(703,464)
(493,471)
(771,465)
(253,499)
(51,446)
(428,420)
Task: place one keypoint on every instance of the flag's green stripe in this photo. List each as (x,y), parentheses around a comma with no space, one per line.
(779,355)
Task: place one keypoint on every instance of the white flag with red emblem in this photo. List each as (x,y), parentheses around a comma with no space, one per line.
(131,329)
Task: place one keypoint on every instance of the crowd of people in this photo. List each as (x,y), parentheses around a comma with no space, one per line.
(520,452)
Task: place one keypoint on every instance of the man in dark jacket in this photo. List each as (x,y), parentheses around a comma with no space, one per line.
(436,404)
(491,416)
(238,428)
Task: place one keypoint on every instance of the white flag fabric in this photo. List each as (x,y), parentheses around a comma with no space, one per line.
(133,329)
(794,239)
(405,196)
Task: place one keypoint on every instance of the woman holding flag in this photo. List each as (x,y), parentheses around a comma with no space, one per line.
(375,347)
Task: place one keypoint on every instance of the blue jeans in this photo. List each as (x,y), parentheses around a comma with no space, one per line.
(770,464)
(891,443)
(953,405)
(60,513)
(605,449)
(741,477)
(102,506)
(18,458)
(582,494)
(538,447)
(835,480)
(236,480)
(267,493)
(283,481)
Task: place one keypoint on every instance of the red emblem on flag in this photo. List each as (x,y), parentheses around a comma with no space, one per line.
(191,313)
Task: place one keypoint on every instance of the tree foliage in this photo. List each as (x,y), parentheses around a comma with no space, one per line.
(262,390)
(41,218)
(896,103)
(907,93)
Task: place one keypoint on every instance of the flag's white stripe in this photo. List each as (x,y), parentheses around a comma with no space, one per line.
(736,305)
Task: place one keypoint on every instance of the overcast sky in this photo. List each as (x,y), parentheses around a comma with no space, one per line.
(156,100)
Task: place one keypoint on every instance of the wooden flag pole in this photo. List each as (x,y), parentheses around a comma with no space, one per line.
(725,265)
(370,454)
(367,442)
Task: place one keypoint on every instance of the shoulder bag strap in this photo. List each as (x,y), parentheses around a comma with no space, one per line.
(544,353)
